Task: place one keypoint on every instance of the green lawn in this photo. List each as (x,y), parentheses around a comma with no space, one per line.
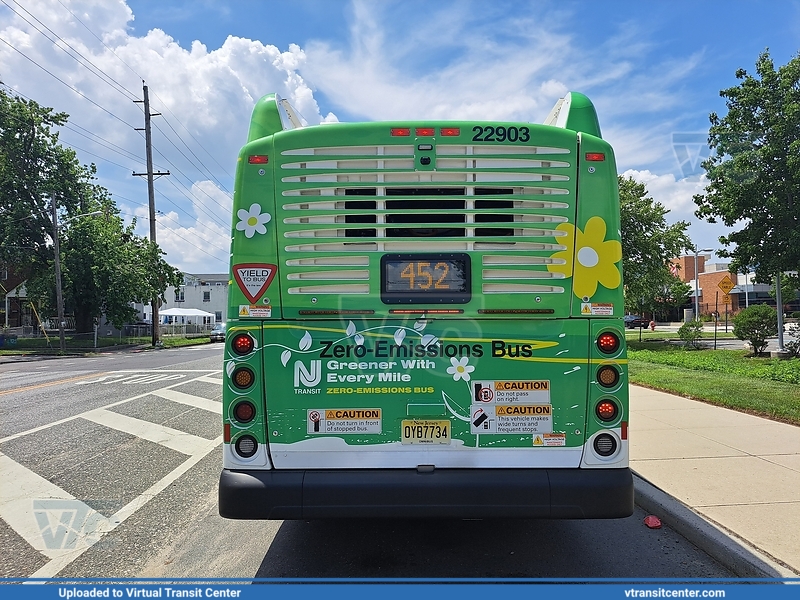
(762,386)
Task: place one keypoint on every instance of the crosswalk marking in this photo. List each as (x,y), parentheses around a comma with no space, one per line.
(209,379)
(17,508)
(185,443)
(190,400)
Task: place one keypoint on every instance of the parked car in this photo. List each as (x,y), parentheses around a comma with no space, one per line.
(632,321)
(218,333)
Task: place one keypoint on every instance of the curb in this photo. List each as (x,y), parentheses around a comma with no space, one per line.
(744,561)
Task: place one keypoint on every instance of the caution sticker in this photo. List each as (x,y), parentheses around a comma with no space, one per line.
(554,439)
(509,392)
(513,418)
(257,312)
(254,279)
(344,420)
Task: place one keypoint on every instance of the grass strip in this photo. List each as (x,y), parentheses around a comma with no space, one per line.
(772,399)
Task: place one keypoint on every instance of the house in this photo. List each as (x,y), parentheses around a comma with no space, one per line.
(206,292)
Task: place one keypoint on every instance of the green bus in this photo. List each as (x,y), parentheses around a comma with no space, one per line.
(425,320)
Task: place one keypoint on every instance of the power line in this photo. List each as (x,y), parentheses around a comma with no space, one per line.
(81,94)
(95,70)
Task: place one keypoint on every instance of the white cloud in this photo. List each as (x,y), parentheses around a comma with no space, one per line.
(676,195)
(205,98)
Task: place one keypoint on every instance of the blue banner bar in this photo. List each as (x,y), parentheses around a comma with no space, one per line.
(751,589)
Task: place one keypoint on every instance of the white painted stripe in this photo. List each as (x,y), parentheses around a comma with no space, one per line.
(190,400)
(165,436)
(210,379)
(22,488)
(136,397)
(9,374)
(52,568)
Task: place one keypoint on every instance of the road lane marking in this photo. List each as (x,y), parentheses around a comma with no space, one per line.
(47,532)
(49,383)
(190,400)
(14,436)
(209,379)
(52,568)
(186,443)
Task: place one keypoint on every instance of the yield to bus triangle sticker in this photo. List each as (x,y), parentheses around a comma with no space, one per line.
(254,279)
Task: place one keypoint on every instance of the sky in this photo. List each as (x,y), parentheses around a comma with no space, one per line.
(654,71)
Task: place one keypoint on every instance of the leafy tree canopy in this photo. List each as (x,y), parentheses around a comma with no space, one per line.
(754,171)
(105,266)
(648,242)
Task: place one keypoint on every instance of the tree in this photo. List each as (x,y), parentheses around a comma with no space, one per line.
(755,324)
(754,171)
(788,288)
(648,242)
(34,171)
(105,266)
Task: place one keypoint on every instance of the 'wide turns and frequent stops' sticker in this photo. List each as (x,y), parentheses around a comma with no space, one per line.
(254,279)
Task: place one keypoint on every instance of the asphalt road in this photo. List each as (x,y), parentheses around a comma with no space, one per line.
(109,468)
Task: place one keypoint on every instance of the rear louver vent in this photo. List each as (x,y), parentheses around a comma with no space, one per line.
(369,199)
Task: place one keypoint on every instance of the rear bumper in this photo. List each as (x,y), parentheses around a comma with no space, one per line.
(443,493)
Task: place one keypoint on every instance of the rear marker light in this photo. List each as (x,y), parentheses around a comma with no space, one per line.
(605,444)
(425,131)
(595,156)
(450,131)
(243,378)
(258,160)
(607,376)
(246,446)
(401,131)
(606,411)
(244,412)
(242,344)
(608,343)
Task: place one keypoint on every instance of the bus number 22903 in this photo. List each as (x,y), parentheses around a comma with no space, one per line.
(501,134)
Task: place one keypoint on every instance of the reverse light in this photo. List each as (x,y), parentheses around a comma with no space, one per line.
(243,378)
(258,159)
(605,444)
(246,446)
(242,344)
(595,156)
(401,131)
(608,342)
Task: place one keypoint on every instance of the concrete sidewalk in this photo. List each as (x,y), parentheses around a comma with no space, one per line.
(728,481)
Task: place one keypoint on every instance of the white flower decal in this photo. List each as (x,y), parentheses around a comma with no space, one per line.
(252,221)
(460,368)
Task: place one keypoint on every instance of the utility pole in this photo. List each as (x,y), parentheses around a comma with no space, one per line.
(148,140)
(57,264)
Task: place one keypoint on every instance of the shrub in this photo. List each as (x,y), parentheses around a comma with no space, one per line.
(691,332)
(796,315)
(793,347)
(755,324)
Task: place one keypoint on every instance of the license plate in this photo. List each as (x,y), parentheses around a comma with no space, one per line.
(425,432)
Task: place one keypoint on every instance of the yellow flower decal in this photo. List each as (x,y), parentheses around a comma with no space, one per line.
(595,257)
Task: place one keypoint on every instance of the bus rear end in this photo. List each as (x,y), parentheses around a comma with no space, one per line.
(426,321)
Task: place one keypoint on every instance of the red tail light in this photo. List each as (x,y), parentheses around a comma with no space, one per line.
(450,131)
(425,131)
(595,156)
(606,410)
(608,342)
(258,160)
(401,131)
(242,344)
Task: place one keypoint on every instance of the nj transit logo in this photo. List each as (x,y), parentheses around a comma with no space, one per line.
(307,377)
